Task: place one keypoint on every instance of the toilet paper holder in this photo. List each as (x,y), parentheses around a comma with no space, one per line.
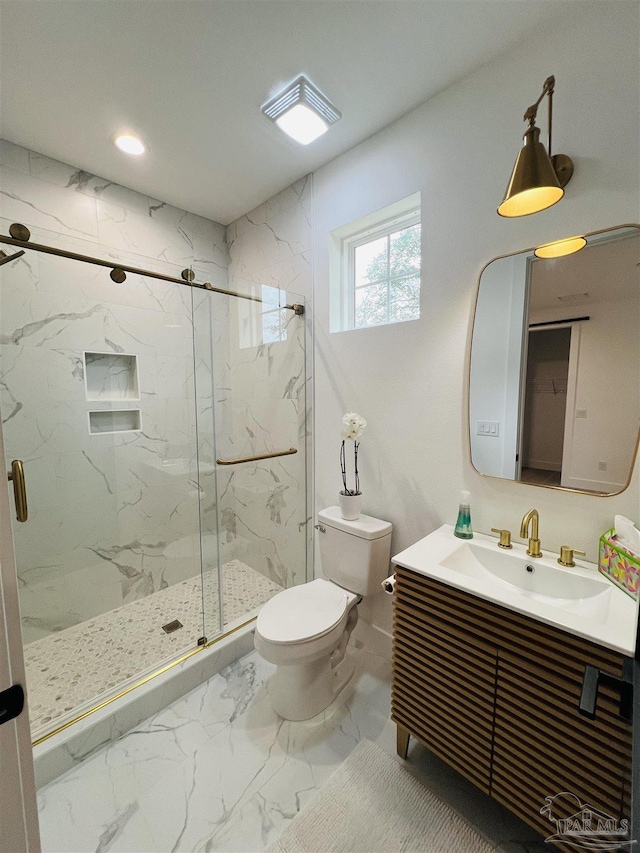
(389,584)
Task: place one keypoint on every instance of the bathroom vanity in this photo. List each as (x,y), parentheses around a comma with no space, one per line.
(488,667)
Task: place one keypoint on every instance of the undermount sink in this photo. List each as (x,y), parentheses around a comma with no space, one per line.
(526,574)
(579,600)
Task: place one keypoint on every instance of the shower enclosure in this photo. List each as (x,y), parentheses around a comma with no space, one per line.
(162,432)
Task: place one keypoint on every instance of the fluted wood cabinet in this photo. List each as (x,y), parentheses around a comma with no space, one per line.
(495,694)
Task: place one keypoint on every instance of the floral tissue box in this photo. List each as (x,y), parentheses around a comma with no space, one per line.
(619,565)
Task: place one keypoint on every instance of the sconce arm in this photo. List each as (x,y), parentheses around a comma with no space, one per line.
(531,113)
(547,89)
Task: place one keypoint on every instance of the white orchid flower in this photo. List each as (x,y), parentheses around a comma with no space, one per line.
(354,426)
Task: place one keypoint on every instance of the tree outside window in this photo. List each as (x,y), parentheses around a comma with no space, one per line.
(386,278)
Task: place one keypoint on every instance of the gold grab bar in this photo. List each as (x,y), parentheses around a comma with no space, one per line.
(257,458)
(16,476)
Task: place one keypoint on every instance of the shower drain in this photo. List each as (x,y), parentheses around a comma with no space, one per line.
(170,627)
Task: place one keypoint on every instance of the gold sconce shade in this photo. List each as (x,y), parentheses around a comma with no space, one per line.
(560,248)
(538,179)
(534,184)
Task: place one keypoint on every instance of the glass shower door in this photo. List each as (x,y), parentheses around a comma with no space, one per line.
(98,401)
(258,409)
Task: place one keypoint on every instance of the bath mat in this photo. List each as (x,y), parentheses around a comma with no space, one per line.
(373,804)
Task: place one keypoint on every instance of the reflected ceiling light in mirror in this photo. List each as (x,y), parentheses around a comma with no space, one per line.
(538,179)
(560,248)
(129,144)
(302,111)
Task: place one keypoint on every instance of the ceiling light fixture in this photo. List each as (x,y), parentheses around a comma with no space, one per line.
(301,111)
(130,144)
(560,248)
(538,179)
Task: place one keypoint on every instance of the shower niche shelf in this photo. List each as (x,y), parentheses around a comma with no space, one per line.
(114,420)
(111,376)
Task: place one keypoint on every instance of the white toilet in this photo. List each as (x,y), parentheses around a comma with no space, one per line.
(305,630)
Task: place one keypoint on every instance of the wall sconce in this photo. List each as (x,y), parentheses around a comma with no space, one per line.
(538,179)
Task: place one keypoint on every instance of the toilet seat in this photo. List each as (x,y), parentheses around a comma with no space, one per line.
(303,613)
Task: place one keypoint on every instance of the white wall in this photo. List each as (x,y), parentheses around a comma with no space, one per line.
(606,388)
(408,380)
(608,433)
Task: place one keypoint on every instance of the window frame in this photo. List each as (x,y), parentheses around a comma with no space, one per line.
(361,237)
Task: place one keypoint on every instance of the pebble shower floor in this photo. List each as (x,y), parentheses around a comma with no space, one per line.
(72,669)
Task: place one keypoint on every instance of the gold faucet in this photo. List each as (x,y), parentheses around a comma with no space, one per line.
(534,543)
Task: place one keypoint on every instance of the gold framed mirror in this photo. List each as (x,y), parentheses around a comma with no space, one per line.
(554,366)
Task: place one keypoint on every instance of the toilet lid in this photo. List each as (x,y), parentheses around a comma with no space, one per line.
(303,612)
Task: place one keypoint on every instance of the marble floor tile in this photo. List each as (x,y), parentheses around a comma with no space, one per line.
(227,695)
(218,770)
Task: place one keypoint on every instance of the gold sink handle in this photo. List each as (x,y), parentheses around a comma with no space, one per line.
(505,537)
(566,556)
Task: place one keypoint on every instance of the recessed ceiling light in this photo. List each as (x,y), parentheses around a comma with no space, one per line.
(130,144)
(302,111)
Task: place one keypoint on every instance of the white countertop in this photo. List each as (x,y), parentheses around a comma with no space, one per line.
(609,617)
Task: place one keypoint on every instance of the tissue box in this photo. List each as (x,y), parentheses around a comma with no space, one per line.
(621,567)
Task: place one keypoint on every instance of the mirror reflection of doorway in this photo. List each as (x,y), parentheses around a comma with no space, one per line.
(545,405)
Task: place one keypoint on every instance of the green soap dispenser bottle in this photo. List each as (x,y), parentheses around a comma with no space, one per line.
(463,525)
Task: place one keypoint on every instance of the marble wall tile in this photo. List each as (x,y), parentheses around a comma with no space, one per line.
(114,516)
(272,236)
(263,401)
(36,203)
(266,248)
(119,515)
(131,231)
(33,275)
(67,599)
(69,177)
(166,377)
(292,274)
(298,195)
(210,257)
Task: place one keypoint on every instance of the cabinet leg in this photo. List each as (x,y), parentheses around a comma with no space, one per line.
(402,741)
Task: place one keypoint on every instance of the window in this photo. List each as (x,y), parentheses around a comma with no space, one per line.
(380,267)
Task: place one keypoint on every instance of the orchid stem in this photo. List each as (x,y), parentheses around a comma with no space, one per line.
(355,463)
(343,468)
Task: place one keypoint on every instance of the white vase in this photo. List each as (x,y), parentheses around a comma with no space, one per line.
(350,505)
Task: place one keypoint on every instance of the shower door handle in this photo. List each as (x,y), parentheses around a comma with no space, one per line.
(11,703)
(16,476)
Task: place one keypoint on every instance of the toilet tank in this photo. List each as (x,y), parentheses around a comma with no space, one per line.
(354,554)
